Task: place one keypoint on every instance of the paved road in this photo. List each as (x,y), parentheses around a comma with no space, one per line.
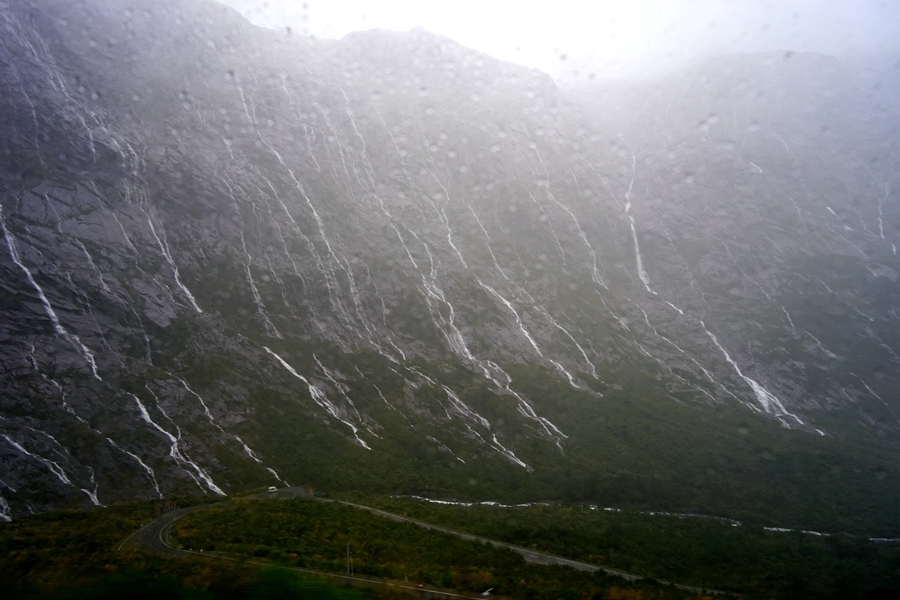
(530,555)
(156,536)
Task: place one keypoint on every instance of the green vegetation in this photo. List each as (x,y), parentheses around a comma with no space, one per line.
(71,555)
(644,444)
(638,441)
(702,552)
(636,447)
(259,584)
(313,534)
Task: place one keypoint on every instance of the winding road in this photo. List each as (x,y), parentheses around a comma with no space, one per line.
(156,537)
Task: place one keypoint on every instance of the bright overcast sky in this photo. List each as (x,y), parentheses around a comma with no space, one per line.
(609,38)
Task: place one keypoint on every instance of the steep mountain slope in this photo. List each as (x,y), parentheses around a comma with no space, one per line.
(789,162)
(236,257)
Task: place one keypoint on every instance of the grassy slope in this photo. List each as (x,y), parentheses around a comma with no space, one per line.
(637,447)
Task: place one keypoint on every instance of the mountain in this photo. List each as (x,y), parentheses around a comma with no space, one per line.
(235,257)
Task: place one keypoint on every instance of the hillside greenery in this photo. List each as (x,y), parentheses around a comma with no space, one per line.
(71,555)
(660,450)
(693,550)
(312,534)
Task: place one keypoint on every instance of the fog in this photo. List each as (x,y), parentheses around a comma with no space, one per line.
(573,39)
(614,283)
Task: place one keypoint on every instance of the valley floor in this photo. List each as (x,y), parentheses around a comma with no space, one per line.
(394,545)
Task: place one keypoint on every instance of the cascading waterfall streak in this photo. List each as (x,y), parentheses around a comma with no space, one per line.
(48,308)
(177,455)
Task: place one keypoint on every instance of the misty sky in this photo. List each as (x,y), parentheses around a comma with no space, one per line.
(608,38)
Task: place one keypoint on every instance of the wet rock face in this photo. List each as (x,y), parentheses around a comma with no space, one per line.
(232,258)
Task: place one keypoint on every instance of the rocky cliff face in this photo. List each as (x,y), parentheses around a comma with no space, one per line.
(234,257)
